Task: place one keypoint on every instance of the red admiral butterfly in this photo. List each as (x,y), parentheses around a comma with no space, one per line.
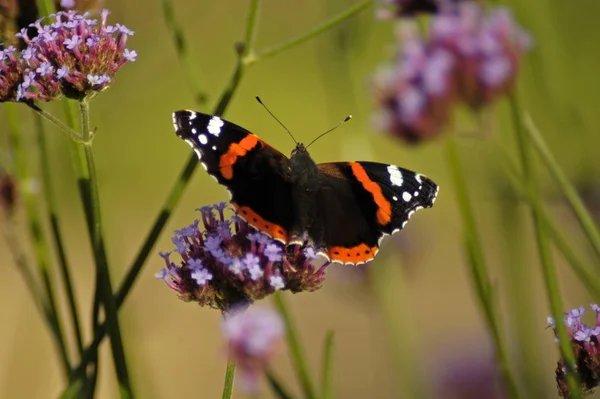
(346,208)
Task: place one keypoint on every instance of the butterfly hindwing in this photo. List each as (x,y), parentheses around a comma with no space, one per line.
(361,202)
(256,174)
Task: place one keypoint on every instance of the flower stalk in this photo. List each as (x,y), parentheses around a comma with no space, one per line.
(548,270)
(92,198)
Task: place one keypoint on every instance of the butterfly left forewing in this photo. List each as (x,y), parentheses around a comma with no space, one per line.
(255,174)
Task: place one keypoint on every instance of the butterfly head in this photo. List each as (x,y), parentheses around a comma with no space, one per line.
(302,163)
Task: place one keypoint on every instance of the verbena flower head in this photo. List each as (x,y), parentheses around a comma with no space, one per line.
(221,268)
(469,56)
(74,55)
(584,340)
(487,47)
(252,337)
(415,94)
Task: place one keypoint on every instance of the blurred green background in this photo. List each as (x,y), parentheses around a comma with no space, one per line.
(417,292)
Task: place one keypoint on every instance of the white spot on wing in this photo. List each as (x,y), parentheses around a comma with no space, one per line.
(214,147)
(406,196)
(395,198)
(395,175)
(214,126)
(198,153)
(203,139)
(418,178)
(193,115)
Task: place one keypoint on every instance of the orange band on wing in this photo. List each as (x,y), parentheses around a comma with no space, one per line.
(384,208)
(359,254)
(235,151)
(255,220)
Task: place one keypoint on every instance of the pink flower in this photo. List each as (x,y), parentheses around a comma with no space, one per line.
(252,336)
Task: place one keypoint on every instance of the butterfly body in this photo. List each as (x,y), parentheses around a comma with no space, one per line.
(345,208)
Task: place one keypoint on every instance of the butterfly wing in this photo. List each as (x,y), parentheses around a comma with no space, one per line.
(256,174)
(361,202)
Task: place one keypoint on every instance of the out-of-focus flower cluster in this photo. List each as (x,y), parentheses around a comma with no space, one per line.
(252,337)
(221,269)
(585,342)
(74,55)
(469,56)
(18,14)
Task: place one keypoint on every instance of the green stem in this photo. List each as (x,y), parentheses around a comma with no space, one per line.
(102,270)
(478,266)
(181,48)
(295,347)
(45,7)
(20,260)
(56,231)
(55,121)
(327,391)
(229,378)
(40,245)
(583,272)
(277,387)
(585,219)
(254,57)
(548,270)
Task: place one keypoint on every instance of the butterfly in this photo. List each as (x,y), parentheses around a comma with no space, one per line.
(345,208)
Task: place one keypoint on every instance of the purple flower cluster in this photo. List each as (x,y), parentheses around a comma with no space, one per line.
(469,56)
(252,337)
(74,55)
(585,343)
(220,269)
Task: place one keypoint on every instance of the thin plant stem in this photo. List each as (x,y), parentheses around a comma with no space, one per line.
(79,167)
(478,267)
(583,272)
(73,135)
(548,270)
(41,251)
(190,67)
(20,260)
(327,391)
(56,232)
(587,222)
(295,347)
(102,270)
(260,55)
(45,7)
(229,378)
(277,387)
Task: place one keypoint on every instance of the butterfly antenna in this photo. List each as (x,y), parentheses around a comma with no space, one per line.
(274,117)
(330,130)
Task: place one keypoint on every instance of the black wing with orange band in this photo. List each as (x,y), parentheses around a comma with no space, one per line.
(256,174)
(361,202)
